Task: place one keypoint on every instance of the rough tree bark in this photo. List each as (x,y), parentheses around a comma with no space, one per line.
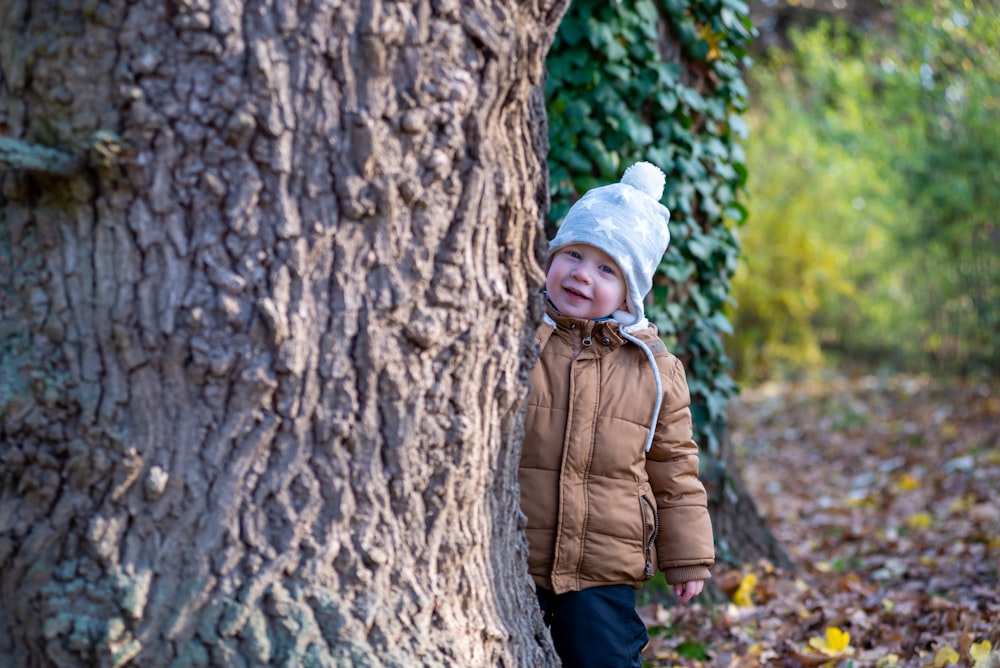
(266,272)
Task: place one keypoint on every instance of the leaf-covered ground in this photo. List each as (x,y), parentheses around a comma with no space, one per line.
(886,494)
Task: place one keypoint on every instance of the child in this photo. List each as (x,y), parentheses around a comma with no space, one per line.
(609,470)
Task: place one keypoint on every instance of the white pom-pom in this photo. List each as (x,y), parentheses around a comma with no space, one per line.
(647,177)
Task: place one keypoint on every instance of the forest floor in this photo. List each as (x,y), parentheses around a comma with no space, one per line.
(885,492)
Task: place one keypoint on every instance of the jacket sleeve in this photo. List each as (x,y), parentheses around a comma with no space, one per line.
(684,545)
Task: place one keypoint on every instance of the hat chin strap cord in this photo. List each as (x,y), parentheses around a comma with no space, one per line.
(626,333)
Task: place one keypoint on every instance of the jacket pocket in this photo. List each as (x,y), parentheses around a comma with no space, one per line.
(650,528)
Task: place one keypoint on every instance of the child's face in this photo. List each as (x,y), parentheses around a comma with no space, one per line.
(584,282)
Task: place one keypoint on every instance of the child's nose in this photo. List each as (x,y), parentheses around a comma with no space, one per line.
(581,274)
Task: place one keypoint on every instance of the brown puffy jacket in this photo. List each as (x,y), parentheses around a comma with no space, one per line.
(600,509)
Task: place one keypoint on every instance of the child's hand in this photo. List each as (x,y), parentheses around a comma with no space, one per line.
(685,591)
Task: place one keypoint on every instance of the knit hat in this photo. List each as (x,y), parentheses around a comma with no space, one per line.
(626,221)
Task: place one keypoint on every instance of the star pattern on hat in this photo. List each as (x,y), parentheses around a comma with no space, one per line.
(642,228)
(607,225)
(632,196)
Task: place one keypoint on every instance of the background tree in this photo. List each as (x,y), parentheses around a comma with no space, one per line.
(874,193)
(266,269)
(663,81)
(941,79)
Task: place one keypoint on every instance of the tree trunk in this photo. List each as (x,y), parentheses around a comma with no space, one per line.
(266,270)
(743,535)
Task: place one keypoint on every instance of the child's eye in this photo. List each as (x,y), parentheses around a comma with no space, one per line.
(606,269)
(575,255)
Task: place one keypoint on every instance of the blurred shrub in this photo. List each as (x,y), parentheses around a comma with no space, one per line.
(941,86)
(874,182)
(819,206)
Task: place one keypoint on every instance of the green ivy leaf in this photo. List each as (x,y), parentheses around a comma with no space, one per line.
(613,99)
(572,29)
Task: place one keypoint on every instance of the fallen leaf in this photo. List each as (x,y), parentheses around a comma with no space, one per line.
(836,643)
(908,482)
(743,596)
(980,653)
(945,656)
(920,520)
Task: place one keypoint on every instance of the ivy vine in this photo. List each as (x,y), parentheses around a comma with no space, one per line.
(662,80)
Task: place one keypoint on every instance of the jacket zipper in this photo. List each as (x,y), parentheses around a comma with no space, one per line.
(649,538)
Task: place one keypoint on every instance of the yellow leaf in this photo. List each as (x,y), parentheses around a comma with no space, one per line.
(980,653)
(908,482)
(835,643)
(920,520)
(949,431)
(945,656)
(707,34)
(962,504)
(887,661)
(865,501)
(743,596)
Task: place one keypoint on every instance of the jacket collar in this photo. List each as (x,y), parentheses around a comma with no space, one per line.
(553,318)
(611,330)
(608,328)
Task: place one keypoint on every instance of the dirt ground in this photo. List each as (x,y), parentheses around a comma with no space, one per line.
(884,492)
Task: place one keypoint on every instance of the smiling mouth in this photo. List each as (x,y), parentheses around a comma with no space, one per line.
(576,293)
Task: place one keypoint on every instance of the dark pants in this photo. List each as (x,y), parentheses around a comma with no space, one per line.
(595,628)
